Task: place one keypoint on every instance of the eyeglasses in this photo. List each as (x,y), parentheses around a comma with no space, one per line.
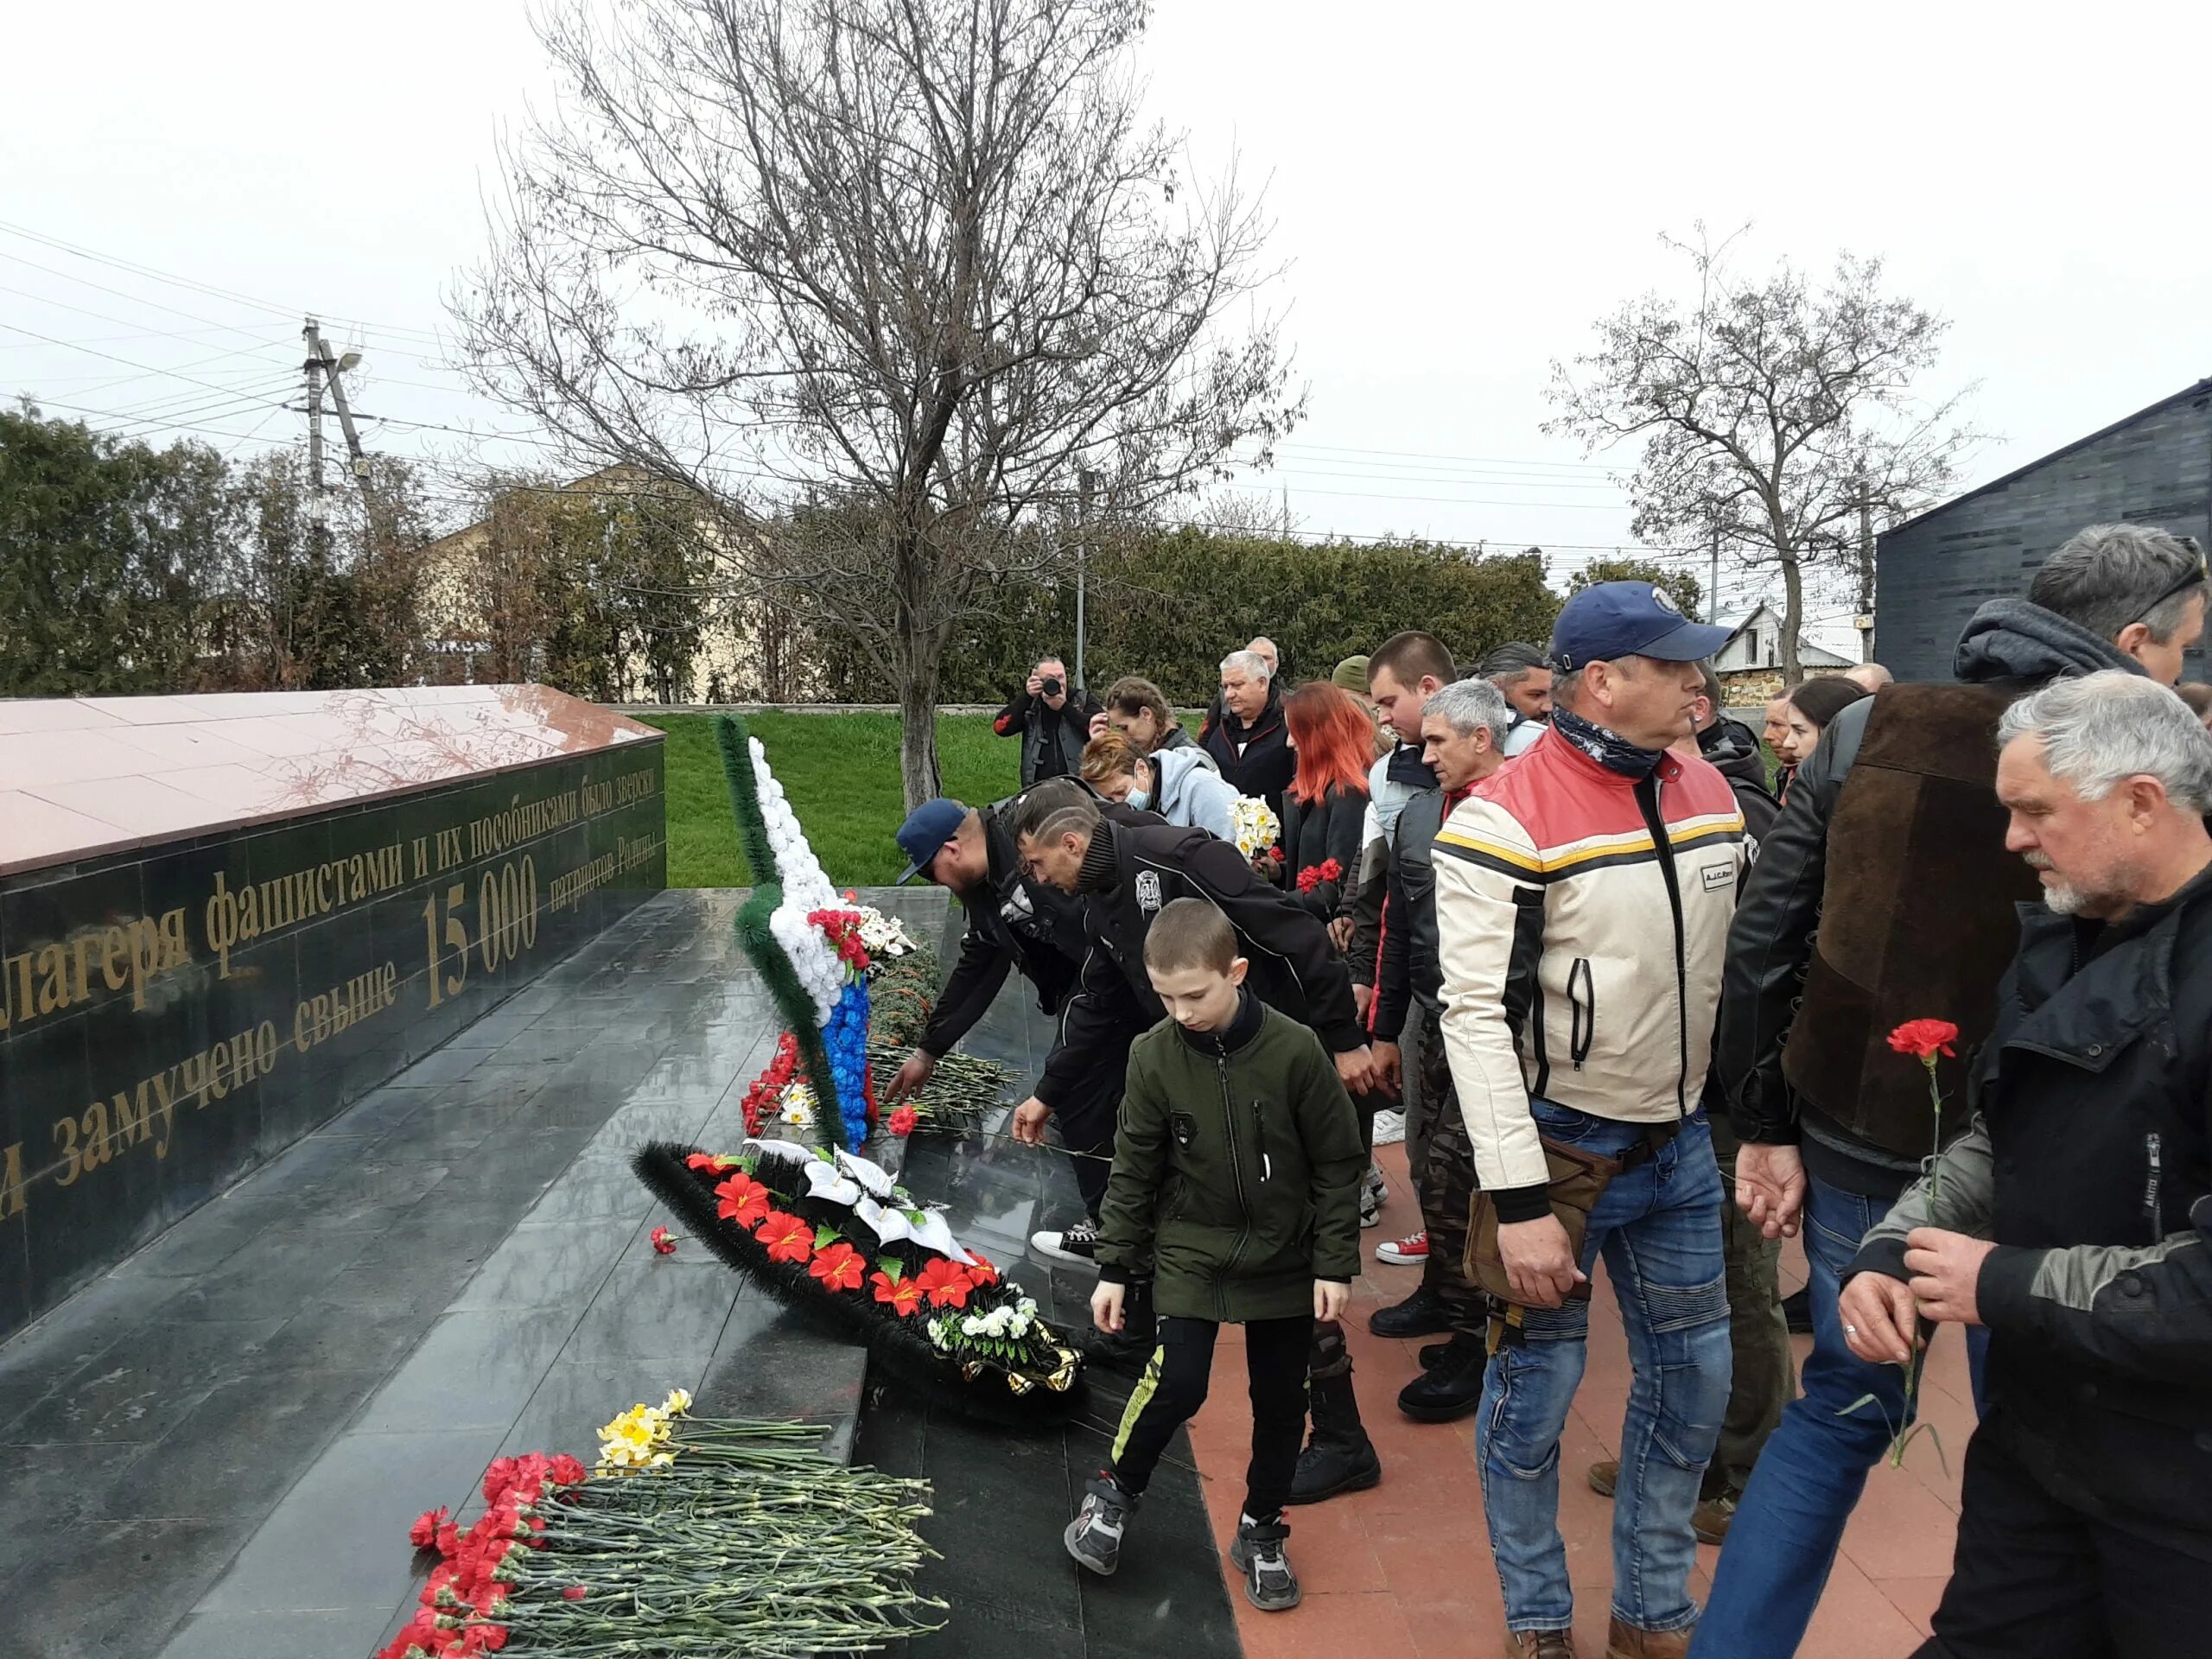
(2195,577)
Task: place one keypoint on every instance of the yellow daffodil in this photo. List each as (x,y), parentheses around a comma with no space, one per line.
(679,1400)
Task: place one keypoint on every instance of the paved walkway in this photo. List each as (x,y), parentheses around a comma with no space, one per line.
(1405,1569)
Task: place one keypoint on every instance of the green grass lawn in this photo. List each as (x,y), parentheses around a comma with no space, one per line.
(842,774)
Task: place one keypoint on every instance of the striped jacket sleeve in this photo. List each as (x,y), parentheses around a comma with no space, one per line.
(1489,928)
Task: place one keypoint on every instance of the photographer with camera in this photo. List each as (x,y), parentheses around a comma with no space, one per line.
(1052,720)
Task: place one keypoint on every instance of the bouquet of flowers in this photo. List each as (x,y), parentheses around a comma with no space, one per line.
(1257,825)
(884,936)
(834,1233)
(710,1538)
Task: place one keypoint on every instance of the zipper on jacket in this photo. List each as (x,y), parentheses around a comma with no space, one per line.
(1581,1011)
(1260,1139)
(2153,1200)
(1664,844)
(1236,1178)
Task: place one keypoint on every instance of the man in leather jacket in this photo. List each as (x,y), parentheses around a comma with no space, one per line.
(1890,845)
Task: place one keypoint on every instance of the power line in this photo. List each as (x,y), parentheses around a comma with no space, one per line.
(1416,455)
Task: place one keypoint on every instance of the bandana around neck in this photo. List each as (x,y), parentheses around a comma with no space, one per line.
(1613,753)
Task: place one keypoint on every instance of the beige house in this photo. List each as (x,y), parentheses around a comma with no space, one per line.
(475,624)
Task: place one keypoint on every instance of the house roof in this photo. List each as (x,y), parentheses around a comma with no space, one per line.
(1808,652)
(2201,389)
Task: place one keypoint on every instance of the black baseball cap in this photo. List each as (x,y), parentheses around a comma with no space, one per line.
(928,827)
(1611,619)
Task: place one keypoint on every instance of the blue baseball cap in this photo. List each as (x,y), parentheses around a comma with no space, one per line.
(1611,619)
(928,827)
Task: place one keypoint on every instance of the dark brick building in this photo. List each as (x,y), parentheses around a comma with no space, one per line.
(1931,572)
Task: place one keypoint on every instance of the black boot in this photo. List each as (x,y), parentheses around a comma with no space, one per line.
(1421,1315)
(1339,1458)
(1452,1387)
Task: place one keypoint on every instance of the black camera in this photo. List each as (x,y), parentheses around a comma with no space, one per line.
(1050,685)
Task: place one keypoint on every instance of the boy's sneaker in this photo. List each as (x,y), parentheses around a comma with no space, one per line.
(1411,1251)
(1371,1208)
(1389,1129)
(1094,1537)
(1077,1244)
(1270,1584)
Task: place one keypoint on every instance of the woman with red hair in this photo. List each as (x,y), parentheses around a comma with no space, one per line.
(1327,798)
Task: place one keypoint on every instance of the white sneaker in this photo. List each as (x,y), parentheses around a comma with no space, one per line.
(1077,1244)
(1377,1183)
(1371,1208)
(1389,1129)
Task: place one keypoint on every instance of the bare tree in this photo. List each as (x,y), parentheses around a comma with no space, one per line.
(920,263)
(1771,415)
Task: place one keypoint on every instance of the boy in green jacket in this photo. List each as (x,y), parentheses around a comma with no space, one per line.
(1237,1168)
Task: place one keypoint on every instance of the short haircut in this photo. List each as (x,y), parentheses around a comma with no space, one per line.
(1250,663)
(1412,657)
(1508,664)
(1050,657)
(2103,727)
(1058,806)
(1191,933)
(2109,576)
(1110,755)
(1715,693)
(1134,695)
(1821,700)
(1465,705)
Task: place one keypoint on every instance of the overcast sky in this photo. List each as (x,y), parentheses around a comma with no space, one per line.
(1460,192)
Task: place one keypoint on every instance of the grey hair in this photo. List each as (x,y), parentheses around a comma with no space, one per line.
(1465,705)
(1509,664)
(2104,727)
(1249,663)
(2109,576)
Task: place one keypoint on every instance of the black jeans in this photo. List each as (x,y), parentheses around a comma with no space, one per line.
(2034,1578)
(1088,1118)
(1173,1387)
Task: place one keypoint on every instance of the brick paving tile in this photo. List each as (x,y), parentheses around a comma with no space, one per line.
(1405,1569)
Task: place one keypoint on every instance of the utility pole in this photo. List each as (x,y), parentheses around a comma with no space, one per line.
(317,510)
(334,368)
(1865,617)
(1086,480)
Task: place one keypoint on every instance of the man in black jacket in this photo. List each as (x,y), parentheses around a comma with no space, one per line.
(2074,1219)
(1464,725)
(1248,736)
(1881,896)
(1052,720)
(1125,876)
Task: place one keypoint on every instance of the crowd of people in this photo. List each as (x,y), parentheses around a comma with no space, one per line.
(1629,995)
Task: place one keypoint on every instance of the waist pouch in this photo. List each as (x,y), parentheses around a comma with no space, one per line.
(1579,1179)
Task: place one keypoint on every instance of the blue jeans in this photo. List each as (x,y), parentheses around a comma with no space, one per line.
(1658,1227)
(1790,1521)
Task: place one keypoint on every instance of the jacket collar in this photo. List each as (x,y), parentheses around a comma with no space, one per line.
(1565,754)
(2085,1010)
(1239,1033)
(1101,866)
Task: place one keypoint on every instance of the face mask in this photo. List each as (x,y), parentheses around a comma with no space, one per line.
(1138,799)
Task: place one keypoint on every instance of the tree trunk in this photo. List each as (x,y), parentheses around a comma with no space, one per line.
(918,768)
(1793,618)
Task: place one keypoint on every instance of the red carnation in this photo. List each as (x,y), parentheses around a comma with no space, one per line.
(664,1242)
(448,1540)
(425,1532)
(566,1471)
(744,1200)
(903,1295)
(785,1237)
(1924,1038)
(841,1266)
(574,1592)
(946,1282)
(903,1121)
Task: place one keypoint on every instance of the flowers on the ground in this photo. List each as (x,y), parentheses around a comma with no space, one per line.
(881,935)
(902,1294)
(1924,1038)
(798,1106)
(766,1090)
(903,1121)
(664,1242)
(425,1532)
(981,1268)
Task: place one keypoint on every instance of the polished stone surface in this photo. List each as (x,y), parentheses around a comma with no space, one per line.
(174,1014)
(81,776)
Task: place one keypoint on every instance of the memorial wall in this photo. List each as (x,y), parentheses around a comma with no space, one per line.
(265,914)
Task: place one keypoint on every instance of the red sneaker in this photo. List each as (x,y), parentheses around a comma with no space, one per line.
(1408,1252)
